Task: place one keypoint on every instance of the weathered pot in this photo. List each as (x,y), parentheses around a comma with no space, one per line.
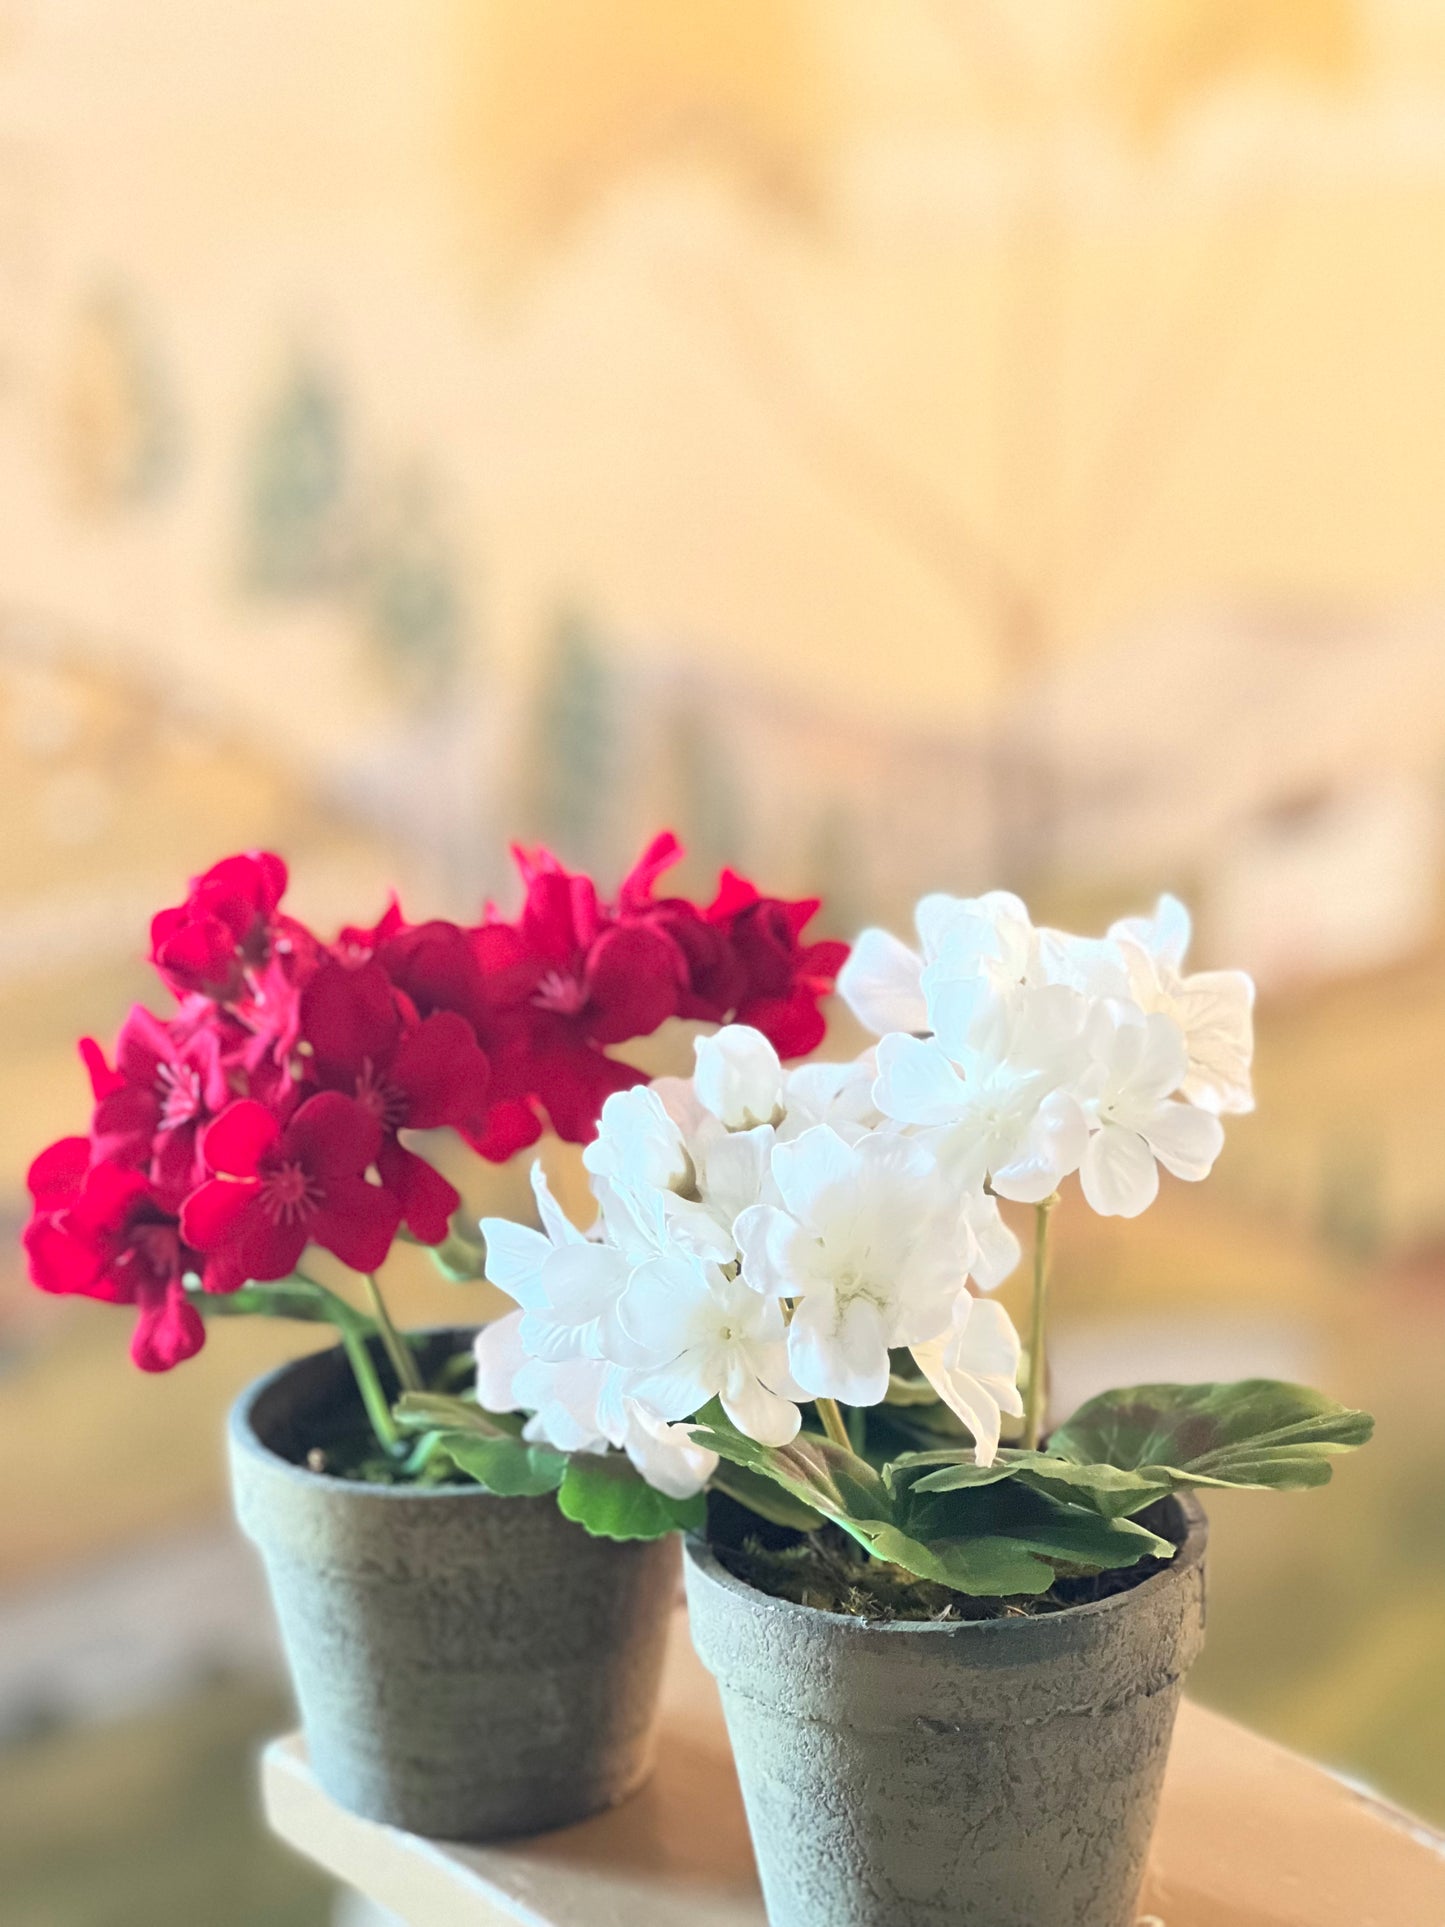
(988,1773)
(466,1666)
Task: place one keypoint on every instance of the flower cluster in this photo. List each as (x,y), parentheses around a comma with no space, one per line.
(1027,1054)
(766,1238)
(270,1109)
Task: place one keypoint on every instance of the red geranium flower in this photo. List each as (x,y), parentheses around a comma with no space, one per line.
(169,1081)
(420,1075)
(783,979)
(583,977)
(224,925)
(280,1187)
(97,1230)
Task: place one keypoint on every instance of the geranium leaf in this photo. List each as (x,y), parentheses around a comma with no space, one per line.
(608,1497)
(436,1411)
(509,1467)
(1111,1492)
(1256,1432)
(764,1497)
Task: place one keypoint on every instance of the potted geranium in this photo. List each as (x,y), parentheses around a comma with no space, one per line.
(466,1664)
(950,1643)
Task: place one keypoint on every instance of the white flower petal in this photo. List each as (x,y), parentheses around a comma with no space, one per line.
(996,1250)
(500,1356)
(515,1257)
(839,1350)
(739,1077)
(665,1454)
(761,1414)
(1216,1008)
(1050,1148)
(916,1083)
(555,1222)
(881,984)
(1119,1176)
(1186,1141)
(816,1175)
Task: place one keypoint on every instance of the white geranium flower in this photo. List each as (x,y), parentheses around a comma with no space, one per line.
(882,981)
(1141,1061)
(515,1253)
(840,1095)
(995,1076)
(974,1369)
(639,1146)
(739,1077)
(869,1244)
(708,1336)
(1214,1008)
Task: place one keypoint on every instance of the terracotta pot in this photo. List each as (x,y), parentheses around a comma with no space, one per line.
(987,1773)
(466,1666)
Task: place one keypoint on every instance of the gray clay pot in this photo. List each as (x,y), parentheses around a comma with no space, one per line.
(467,1667)
(990,1773)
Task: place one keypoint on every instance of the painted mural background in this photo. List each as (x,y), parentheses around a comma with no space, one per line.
(965,442)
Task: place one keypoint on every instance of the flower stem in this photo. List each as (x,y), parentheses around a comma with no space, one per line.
(1037,1393)
(363,1368)
(397,1350)
(833,1423)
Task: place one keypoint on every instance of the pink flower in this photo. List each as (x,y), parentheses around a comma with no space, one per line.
(409,1072)
(278,1188)
(97,1230)
(169,1081)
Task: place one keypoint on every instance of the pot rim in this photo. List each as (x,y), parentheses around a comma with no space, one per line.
(1189,1554)
(246,1441)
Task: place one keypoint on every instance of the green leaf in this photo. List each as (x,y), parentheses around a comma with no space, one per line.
(437,1411)
(1257,1432)
(509,1467)
(608,1497)
(1105,1489)
(762,1496)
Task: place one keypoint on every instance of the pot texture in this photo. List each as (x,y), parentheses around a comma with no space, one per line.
(989,1773)
(466,1666)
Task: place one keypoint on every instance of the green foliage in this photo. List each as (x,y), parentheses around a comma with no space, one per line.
(602,1492)
(995,1540)
(1013,1527)
(1125,1449)
(608,1497)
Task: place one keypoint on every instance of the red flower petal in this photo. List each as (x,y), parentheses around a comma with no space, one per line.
(237,1141)
(58,1172)
(793,1025)
(508,1127)
(425,1198)
(216,1211)
(441,1072)
(358,1222)
(168,1330)
(332,1136)
(634,978)
(350,1015)
(634,895)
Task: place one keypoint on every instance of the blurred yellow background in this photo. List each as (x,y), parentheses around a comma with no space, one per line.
(956,443)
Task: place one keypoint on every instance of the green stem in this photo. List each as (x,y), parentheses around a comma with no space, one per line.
(833,1423)
(368,1383)
(397,1350)
(1037,1392)
(311,1302)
